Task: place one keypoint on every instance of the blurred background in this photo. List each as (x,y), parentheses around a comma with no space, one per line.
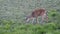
(13,13)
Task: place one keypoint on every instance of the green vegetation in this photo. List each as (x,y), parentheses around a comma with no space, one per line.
(10,27)
(20,27)
(13,13)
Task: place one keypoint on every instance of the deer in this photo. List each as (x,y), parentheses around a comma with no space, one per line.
(36,13)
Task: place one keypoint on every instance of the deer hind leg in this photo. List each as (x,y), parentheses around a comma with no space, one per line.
(33,19)
(37,20)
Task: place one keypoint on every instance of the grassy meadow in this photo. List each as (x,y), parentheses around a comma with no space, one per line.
(13,13)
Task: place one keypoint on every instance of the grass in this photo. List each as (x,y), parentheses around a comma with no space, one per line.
(10,27)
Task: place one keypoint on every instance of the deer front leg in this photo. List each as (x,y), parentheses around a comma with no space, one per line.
(42,19)
(47,18)
(45,15)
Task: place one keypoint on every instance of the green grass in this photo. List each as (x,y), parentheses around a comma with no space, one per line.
(10,27)
(13,13)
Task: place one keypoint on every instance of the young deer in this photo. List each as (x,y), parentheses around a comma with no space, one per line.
(38,12)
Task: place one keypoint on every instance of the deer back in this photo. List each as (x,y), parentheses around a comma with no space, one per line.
(38,12)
